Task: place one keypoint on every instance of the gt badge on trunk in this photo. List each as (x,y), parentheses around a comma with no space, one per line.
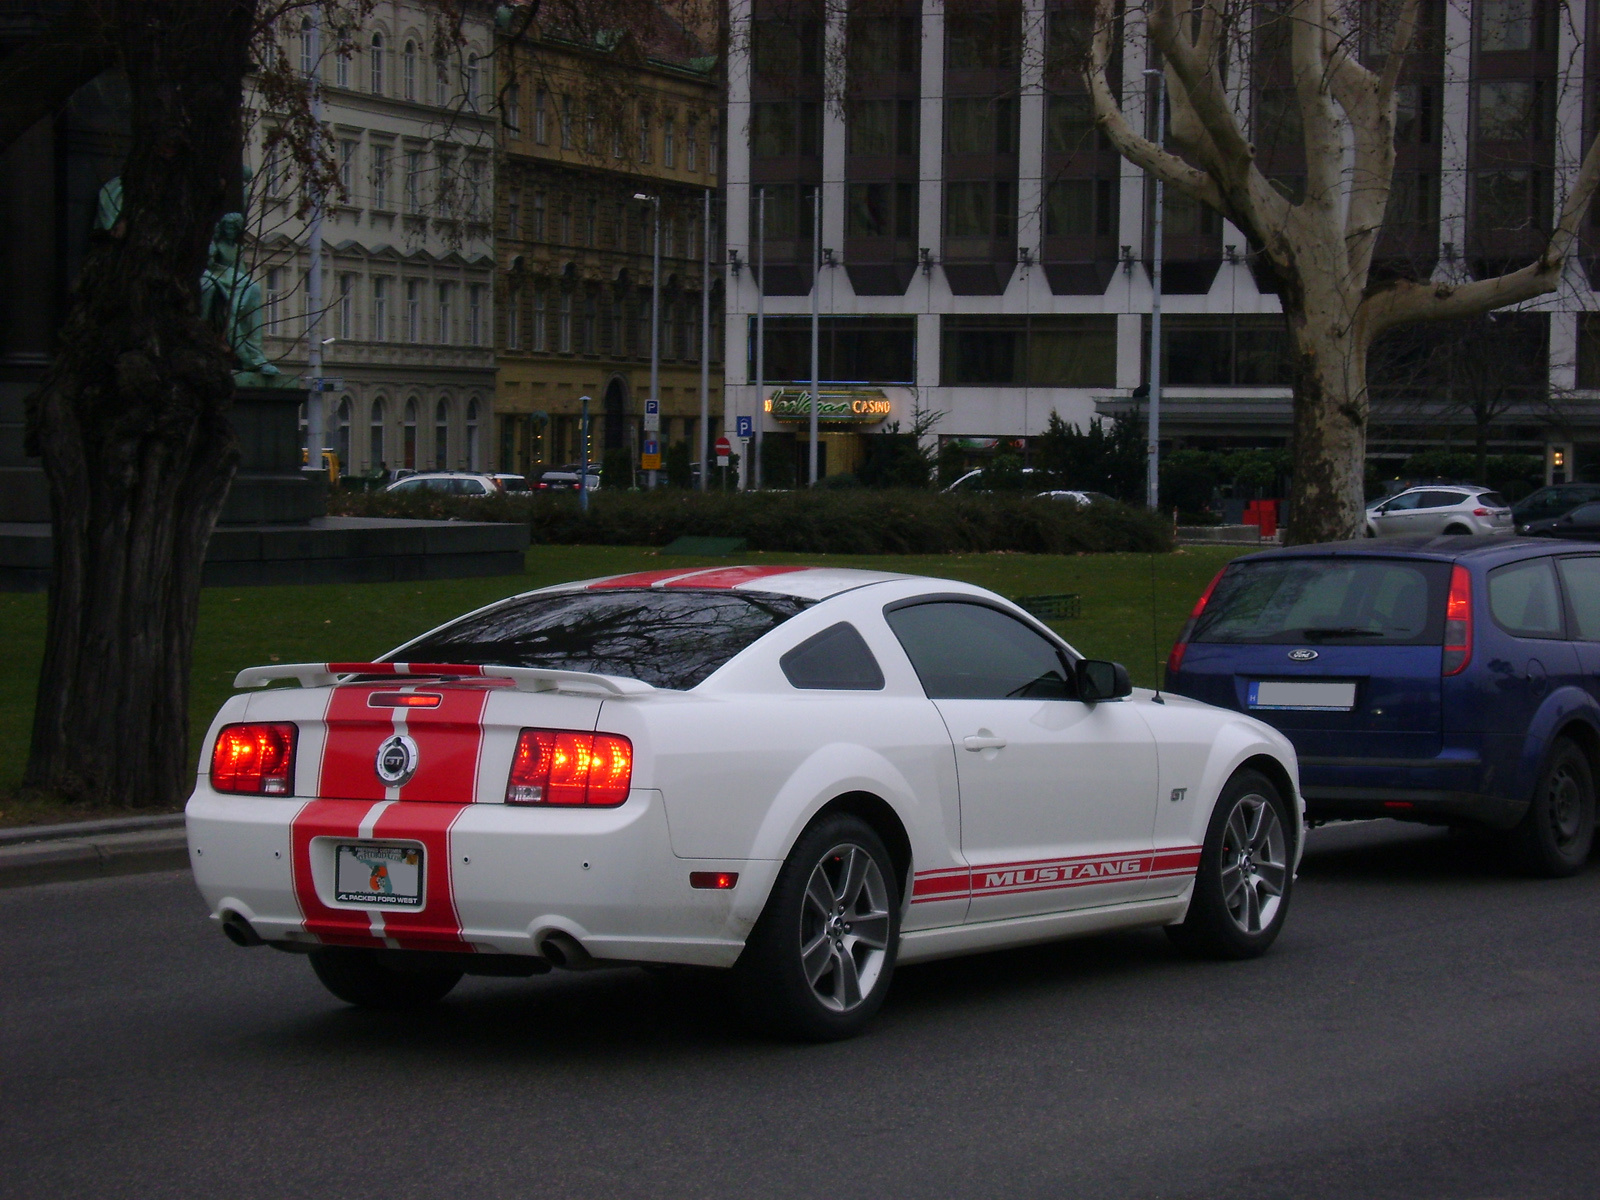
(397,760)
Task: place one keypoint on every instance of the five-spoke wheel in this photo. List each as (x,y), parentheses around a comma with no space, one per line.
(1255,863)
(844,927)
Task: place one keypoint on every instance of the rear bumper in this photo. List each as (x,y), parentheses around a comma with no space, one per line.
(507,878)
(1442,790)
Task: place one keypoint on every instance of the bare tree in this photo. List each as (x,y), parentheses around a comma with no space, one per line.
(1320,247)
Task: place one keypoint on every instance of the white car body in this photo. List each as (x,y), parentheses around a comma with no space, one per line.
(1022,820)
(1440,508)
(446,483)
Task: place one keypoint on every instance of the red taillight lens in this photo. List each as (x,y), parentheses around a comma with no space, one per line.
(1480,512)
(714,881)
(257,760)
(1458,623)
(1175,659)
(553,766)
(404,700)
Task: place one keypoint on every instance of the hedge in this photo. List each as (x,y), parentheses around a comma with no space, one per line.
(851,521)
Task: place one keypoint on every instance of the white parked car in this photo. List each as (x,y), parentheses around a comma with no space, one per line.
(803,774)
(446,483)
(1437,508)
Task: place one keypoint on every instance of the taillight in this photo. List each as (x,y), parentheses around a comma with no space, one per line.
(553,766)
(257,760)
(1458,623)
(1175,659)
(1480,512)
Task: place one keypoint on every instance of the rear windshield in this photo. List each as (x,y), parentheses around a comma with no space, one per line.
(1491,500)
(1328,601)
(668,639)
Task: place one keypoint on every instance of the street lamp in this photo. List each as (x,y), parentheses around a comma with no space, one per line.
(1153,468)
(655,310)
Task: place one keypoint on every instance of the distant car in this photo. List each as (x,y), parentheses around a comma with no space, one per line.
(510,483)
(1080,498)
(1440,508)
(1557,500)
(1582,524)
(803,774)
(565,479)
(973,480)
(1451,681)
(448,483)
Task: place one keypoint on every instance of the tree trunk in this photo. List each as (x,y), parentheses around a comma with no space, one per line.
(1328,492)
(131,424)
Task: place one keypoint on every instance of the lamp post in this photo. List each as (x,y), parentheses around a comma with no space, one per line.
(1153,465)
(761,323)
(705,336)
(655,309)
(314,434)
(583,454)
(816,293)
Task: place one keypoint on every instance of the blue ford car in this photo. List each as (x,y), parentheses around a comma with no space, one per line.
(1446,680)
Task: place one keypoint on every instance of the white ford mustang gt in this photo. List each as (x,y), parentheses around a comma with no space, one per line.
(806,775)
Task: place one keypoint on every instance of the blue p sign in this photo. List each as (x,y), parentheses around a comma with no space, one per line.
(745,426)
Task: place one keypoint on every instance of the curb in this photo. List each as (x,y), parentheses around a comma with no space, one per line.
(51,853)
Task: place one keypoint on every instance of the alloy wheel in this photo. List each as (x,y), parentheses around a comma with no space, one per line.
(844,927)
(1255,863)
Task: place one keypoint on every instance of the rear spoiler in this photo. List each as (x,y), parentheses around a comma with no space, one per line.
(526,679)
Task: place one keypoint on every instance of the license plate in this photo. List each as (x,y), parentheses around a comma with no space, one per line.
(1304,695)
(387,875)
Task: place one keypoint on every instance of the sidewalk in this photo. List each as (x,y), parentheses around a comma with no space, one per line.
(89,849)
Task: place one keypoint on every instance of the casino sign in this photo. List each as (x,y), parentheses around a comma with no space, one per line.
(855,406)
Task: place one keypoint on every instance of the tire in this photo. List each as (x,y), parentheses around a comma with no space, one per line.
(1240,900)
(817,964)
(379,978)
(1455,529)
(1555,836)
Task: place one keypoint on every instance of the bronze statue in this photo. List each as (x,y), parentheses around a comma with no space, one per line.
(231,300)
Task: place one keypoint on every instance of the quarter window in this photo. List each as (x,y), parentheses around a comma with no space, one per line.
(1581,579)
(1523,599)
(964,651)
(837,659)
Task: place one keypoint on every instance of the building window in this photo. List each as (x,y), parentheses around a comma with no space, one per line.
(413,181)
(564,332)
(979,209)
(473,461)
(475,314)
(375,67)
(380,176)
(409,432)
(1507,25)
(589,325)
(1241,350)
(540,327)
(347,304)
(1042,351)
(566,220)
(878,210)
(591,223)
(441,435)
(441,81)
(446,316)
(691,146)
(1509,110)
(414,311)
(469,82)
(669,153)
(474,174)
(274,305)
(514,213)
(713,146)
(644,137)
(408,70)
(541,117)
(347,169)
(272,171)
(308,48)
(513,108)
(1079,208)
(566,121)
(341,70)
(341,437)
(376,461)
(514,321)
(380,309)
(591,124)
(855,349)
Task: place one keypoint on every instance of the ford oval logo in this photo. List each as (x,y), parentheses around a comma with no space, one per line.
(1302,655)
(397,760)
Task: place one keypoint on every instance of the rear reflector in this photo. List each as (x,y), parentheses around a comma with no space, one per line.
(715,881)
(404,700)
(1458,623)
(564,767)
(1175,659)
(256,760)
(1399,805)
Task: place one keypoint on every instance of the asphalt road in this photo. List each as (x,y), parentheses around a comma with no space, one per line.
(1427,1026)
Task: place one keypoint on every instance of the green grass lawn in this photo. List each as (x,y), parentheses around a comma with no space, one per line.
(240,627)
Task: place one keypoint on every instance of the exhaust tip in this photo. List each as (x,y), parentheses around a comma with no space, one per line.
(240,932)
(564,950)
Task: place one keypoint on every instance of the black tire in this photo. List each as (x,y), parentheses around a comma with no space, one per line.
(785,991)
(1555,836)
(1229,913)
(380,978)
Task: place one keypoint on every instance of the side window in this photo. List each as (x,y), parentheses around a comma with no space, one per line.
(1586,514)
(1403,503)
(1523,599)
(1581,579)
(972,652)
(1440,499)
(837,659)
(407,487)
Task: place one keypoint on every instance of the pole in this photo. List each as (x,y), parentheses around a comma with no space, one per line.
(761,323)
(1153,469)
(705,336)
(583,455)
(816,293)
(655,322)
(314,434)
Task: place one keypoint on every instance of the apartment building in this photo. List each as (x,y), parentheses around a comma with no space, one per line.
(986,253)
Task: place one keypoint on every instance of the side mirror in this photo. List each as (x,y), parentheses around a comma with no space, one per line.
(1099,680)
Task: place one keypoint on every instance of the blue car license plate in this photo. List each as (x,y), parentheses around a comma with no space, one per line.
(1305,695)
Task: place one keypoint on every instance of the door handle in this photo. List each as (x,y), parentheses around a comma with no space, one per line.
(983,742)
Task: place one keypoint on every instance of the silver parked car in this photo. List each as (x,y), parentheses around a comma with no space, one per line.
(448,483)
(1440,508)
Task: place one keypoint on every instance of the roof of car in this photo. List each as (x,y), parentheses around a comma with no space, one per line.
(1487,551)
(808,583)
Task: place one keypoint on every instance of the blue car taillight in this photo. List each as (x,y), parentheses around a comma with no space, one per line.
(1175,659)
(1458,623)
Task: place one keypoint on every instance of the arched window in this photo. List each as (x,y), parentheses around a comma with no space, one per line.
(410,452)
(377,462)
(408,70)
(441,436)
(474,462)
(375,65)
(308,48)
(441,81)
(469,82)
(341,435)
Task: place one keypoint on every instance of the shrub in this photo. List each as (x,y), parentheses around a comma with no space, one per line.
(825,521)
(680,469)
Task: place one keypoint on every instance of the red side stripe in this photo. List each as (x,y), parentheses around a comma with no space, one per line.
(949,883)
(730,577)
(327,818)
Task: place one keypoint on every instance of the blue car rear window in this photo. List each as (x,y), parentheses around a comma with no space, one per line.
(1328,601)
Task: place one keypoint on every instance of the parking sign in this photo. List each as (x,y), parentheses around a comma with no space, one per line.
(746,427)
(652,416)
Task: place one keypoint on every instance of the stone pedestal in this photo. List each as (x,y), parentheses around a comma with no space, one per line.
(271,487)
